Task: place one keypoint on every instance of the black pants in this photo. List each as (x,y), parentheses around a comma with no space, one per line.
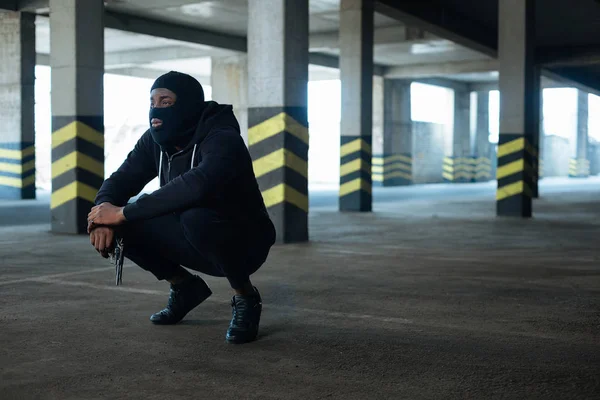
(200,240)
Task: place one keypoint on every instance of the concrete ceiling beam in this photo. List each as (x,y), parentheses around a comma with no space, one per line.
(442,21)
(414,71)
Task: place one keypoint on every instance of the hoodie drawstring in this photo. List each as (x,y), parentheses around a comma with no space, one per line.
(193,155)
(160,166)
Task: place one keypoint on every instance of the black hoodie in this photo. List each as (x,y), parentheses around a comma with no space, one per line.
(213,171)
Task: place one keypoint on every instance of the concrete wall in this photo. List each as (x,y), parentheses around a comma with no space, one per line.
(556,156)
(431,143)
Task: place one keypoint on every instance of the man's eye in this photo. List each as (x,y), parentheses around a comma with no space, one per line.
(166,103)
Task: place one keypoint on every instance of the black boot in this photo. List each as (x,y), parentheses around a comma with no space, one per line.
(183,298)
(246,318)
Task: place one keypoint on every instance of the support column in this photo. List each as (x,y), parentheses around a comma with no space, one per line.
(519,107)
(392,161)
(17,91)
(77,62)
(356,73)
(229,82)
(277,113)
(458,167)
(482,156)
(579,166)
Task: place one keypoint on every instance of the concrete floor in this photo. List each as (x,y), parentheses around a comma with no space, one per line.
(427,298)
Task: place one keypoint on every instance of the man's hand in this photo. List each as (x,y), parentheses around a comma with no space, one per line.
(105,214)
(102,238)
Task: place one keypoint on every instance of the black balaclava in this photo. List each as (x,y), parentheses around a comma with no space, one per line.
(179,121)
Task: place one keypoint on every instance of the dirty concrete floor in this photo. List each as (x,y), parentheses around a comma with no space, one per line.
(422,299)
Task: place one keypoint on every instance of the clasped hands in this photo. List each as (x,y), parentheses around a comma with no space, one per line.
(105,214)
(101,220)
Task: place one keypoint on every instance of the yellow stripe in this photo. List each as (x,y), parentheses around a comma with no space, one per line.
(448,161)
(279,159)
(17,154)
(354,146)
(397,157)
(355,165)
(77,160)
(72,191)
(398,174)
(465,175)
(513,189)
(448,176)
(17,182)
(274,125)
(377,178)
(511,147)
(284,193)
(355,185)
(482,174)
(511,168)
(77,129)
(448,169)
(17,168)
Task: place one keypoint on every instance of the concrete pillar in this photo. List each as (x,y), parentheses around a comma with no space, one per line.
(277,111)
(519,86)
(392,159)
(482,157)
(459,167)
(356,73)
(579,166)
(17,91)
(229,82)
(77,62)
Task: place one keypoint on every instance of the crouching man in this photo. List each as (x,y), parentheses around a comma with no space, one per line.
(208,215)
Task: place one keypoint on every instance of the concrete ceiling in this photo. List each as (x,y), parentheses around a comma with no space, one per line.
(456,39)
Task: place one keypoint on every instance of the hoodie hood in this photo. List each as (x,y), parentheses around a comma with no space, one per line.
(214,114)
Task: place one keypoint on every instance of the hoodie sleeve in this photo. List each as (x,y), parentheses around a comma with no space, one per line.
(132,176)
(220,165)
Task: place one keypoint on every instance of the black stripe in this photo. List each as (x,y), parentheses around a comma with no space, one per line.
(387,164)
(71,217)
(514,206)
(16,145)
(258,115)
(507,159)
(12,193)
(95,122)
(80,145)
(356,201)
(355,175)
(397,182)
(291,223)
(18,175)
(398,168)
(347,139)
(281,140)
(79,175)
(355,156)
(283,175)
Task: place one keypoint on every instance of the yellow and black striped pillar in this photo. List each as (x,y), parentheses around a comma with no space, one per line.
(17,170)
(457,169)
(355,174)
(483,169)
(392,170)
(17,105)
(579,168)
(515,176)
(77,170)
(278,143)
